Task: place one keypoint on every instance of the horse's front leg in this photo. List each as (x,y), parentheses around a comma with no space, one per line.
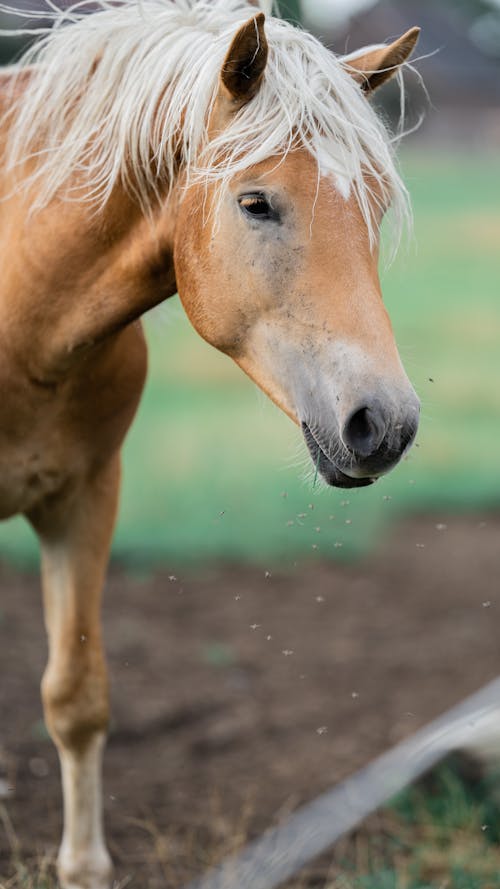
(75,539)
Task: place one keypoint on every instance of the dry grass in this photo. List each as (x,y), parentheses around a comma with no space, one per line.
(25,874)
(443,834)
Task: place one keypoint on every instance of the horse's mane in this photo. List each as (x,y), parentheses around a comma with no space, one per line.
(121,92)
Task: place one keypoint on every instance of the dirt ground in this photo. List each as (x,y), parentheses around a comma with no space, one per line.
(237,695)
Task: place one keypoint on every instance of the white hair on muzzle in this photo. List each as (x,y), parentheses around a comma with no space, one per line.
(121,92)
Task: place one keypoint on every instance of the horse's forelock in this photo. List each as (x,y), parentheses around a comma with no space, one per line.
(158,64)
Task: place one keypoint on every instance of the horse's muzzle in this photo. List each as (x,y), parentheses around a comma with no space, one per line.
(367,447)
(327,468)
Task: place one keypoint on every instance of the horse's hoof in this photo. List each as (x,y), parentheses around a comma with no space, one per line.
(90,871)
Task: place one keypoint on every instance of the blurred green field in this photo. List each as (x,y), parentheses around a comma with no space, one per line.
(214,471)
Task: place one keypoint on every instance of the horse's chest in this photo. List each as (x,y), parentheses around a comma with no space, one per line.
(33,459)
(31,469)
(52,434)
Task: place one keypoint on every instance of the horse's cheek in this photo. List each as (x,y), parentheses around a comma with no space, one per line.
(204,297)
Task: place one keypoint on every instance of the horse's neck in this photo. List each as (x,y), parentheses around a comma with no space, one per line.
(72,276)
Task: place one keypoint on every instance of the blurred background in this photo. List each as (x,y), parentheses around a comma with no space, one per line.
(267,636)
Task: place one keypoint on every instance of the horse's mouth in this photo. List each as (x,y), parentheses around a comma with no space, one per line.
(327,468)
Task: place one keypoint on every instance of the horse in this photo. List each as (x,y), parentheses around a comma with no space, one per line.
(196,147)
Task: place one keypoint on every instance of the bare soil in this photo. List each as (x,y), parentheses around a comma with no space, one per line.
(237,695)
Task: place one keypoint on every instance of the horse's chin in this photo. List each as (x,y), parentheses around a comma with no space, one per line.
(327,469)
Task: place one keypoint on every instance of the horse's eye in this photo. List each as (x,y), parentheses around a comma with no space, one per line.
(257,206)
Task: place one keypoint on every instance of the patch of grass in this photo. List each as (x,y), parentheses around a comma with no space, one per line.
(24,874)
(439,834)
(211,468)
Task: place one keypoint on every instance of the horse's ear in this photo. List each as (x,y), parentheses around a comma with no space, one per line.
(245,61)
(376,64)
(265,5)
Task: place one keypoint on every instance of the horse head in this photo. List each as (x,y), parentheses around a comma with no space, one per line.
(277,266)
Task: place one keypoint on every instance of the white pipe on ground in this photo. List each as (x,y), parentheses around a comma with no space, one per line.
(280,853)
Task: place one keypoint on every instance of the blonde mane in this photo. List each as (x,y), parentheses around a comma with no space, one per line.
(121,92)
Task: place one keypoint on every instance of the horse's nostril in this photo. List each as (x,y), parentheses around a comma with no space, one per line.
(364,431)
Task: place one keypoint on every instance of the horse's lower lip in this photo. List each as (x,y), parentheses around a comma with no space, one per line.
(330,472)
